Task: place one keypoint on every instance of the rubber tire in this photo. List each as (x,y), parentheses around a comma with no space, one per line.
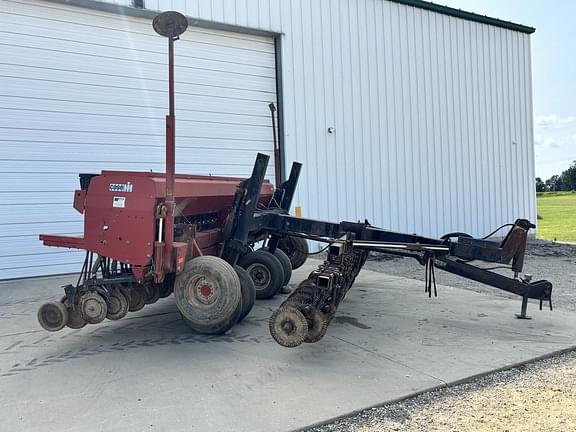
(151,293)
(248,292)
(271,265)
(168,285)
(100,302)
(219,316)
(75,320)
(121,302)
(136,298)
(286,264)
(50,311)
(297,250)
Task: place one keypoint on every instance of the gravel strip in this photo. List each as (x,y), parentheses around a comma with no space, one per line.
(537,397)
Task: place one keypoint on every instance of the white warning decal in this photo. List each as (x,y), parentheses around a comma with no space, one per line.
(119,202)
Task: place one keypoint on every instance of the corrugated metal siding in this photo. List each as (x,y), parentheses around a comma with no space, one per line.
(433,114)
(82,91)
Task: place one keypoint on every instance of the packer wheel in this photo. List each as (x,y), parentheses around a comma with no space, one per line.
(53,316)
(151,292)
(75,320)
(117,306)
(288,326)
(317,326)
(208,295)
(92,307)
(136,298)
(266,272)
(167,286)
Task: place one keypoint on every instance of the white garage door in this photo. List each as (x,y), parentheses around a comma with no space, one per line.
(82,91)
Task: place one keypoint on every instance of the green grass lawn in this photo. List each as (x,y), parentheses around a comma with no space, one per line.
(558,212)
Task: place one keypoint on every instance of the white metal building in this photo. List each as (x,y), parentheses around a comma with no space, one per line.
(431,109)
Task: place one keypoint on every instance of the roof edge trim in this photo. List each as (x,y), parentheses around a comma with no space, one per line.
(470,16)
(105,6)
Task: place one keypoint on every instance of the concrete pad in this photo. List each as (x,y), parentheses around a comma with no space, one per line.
(149,372)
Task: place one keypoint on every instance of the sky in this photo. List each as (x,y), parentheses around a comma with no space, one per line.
(553,72)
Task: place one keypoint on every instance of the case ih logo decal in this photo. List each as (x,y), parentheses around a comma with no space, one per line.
(120,187)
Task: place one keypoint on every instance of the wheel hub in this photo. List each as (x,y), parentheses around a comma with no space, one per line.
(287,326)
(260,275)
(51,316)
(203,290)
(93,308)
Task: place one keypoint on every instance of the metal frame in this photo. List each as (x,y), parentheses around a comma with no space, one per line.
(452,254)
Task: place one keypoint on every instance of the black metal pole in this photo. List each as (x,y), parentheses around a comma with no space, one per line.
(170,159)
(277,161)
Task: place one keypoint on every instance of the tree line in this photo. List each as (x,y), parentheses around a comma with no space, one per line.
(563,182)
